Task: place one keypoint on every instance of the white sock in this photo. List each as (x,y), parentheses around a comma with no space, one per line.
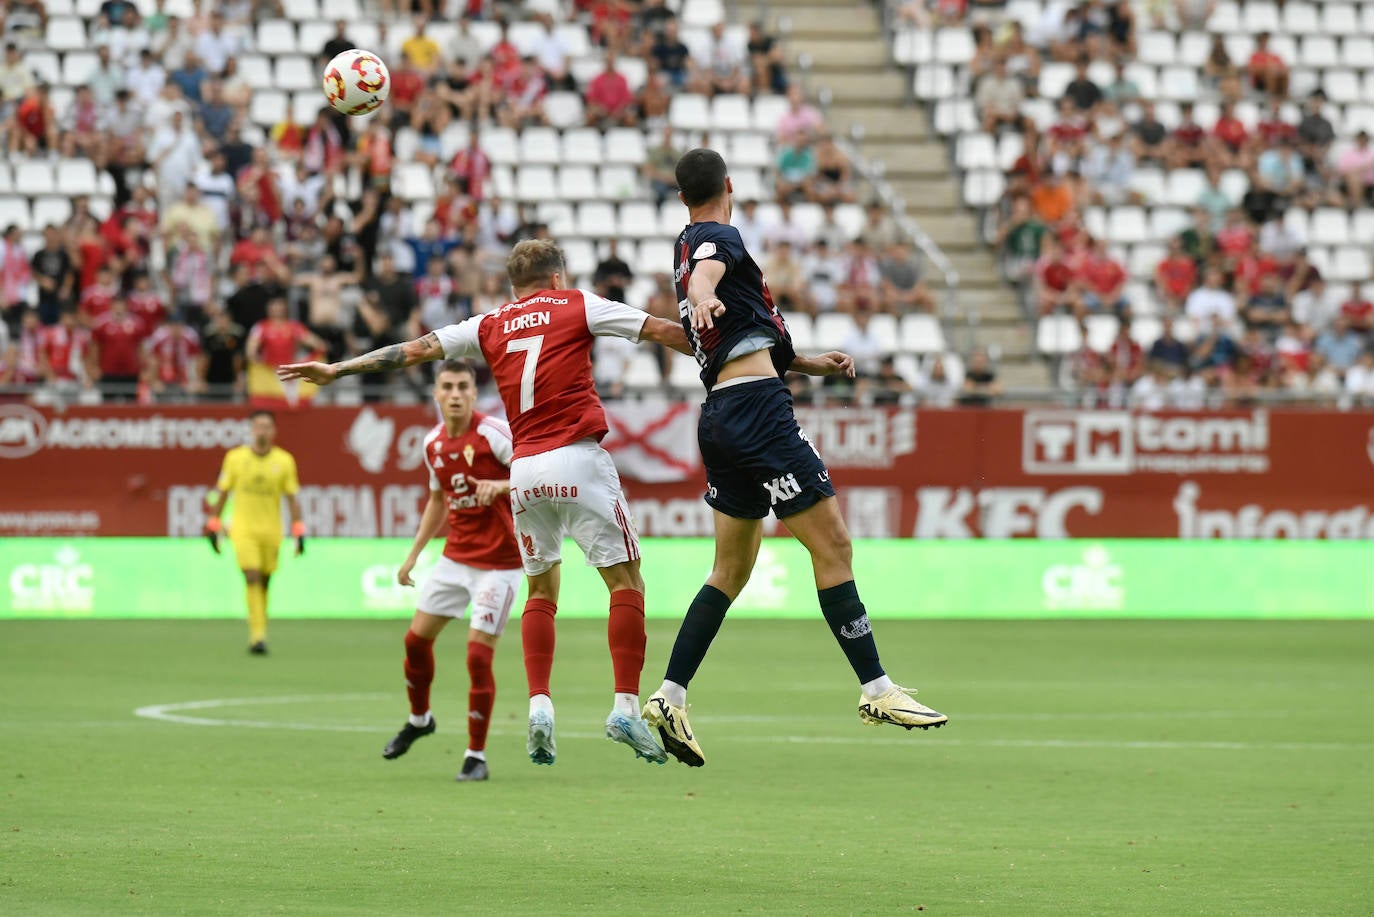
(627,704)
(877,687)
(675,693)
(420,722)
(541,703)
(479,755)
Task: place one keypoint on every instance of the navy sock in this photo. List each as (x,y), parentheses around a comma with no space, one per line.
(699,628)
(849,623)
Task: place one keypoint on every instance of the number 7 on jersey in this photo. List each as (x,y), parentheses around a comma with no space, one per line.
(530,346)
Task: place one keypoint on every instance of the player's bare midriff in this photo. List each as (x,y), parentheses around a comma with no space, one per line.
(758,363)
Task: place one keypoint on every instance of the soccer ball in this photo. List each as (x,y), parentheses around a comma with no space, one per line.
(356,82)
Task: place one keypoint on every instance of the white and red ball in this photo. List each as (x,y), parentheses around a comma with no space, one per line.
(356,82)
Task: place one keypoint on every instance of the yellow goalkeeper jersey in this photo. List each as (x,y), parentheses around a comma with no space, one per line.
(258,482)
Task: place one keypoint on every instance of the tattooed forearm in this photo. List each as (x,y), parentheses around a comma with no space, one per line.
(380,360)
(394,356)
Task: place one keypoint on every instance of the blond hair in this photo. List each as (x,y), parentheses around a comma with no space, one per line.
(533,262)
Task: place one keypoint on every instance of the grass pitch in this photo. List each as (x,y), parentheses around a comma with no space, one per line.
(1089,768)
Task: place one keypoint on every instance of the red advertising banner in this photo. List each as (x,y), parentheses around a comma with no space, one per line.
(900,472)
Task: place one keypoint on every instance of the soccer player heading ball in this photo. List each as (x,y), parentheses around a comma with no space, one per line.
(468,458)
(258,475)
(758,459)
(562,483)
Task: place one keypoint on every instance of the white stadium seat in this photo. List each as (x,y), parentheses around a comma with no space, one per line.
(625,145)
(582,146)
(277,36)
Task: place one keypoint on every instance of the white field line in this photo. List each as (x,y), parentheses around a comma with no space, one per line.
(176,713)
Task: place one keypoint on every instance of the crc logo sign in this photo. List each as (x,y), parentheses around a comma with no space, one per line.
(1118,442)
(21,431)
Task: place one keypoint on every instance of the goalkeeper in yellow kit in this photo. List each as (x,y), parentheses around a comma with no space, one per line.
(258,475)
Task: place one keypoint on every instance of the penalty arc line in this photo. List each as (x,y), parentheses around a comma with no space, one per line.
(171,713)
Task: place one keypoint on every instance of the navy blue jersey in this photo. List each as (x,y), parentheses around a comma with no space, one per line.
(749,306)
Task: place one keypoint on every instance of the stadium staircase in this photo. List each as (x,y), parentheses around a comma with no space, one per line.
(869,100)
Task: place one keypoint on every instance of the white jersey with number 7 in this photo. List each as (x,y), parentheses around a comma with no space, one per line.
(540,352)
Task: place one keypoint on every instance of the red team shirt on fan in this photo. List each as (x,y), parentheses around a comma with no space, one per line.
(65,349)
(540,352)
(279,341)
(119,337)
(174,349)
(479,536)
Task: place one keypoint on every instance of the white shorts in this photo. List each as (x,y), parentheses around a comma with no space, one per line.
(573,490)
(451,586)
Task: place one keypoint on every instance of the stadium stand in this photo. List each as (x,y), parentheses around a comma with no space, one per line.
(188,143)
(1179,192)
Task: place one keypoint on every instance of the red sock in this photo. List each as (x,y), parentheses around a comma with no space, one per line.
(625,633)
(481,694)
(537,637)
(419,669)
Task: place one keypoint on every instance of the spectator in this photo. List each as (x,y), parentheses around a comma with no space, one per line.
(1110,172)
(1104,281)
(216,45)
(1149,136)
(1355,169)
(796,170)
(888,386)
(117,338)
(1268,72)
(1167,350)
(1186,147)
(1175,277)
(1340,345)
(326,316)
(55,275)
(15,77)
(722,65)
(422,51)
(613,275)
(33,126)
(1018,240)
(145,303)
(174,362)
(785,280)
(1211,301)
(1082,91)
(980,385)
(337,44)
(903,289)
(800,119)
(191,274)
(999,97)
(145,79)
(175,153)
(765,60)
(609,101)
(191,213)
(674,58)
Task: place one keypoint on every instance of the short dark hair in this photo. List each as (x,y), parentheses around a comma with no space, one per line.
(262,412)
(456,366)
(700,175)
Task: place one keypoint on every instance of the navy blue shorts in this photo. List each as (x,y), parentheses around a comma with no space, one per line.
(757,457)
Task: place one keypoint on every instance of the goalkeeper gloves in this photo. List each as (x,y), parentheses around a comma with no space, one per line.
(298,532)
(213,527)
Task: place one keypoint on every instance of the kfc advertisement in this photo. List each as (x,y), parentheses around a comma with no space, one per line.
(901,473)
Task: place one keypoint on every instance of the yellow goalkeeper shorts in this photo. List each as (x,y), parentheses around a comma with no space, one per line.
(256,551)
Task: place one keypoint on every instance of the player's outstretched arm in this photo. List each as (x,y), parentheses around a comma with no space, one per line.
(701,291)
(833,363)
(669,334)
(430,523)
(381,360)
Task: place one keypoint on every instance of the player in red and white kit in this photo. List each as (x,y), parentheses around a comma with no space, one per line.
(562,482)
(468,457)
